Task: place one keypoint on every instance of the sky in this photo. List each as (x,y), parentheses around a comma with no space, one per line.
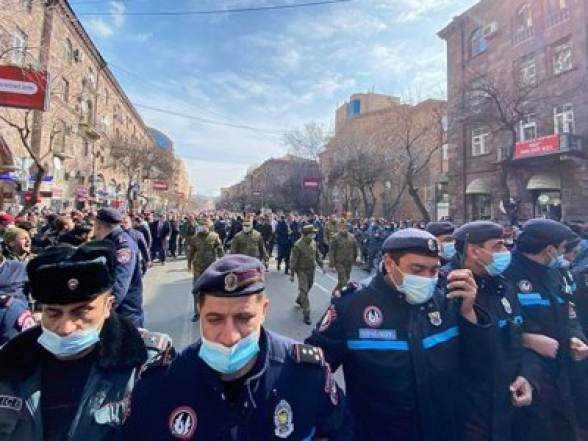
(231,84)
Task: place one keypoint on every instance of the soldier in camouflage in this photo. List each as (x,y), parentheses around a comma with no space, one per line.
(343,254)
(303,261)
(205,247)
(250,243)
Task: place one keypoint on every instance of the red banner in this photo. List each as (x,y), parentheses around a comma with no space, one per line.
(23,88)
(537,147)
(311,184)
(159,186)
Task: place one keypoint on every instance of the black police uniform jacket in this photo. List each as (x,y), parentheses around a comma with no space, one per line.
(128,288)
(545,300)
(289,394)
(402,363)
(486,402)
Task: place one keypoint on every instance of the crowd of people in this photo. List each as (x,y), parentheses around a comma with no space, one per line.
(471,332)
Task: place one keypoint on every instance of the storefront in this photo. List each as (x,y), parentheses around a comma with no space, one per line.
(547,195)
(479,197)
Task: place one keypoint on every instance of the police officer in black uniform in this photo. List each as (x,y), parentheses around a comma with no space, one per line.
(71,377)
(240,381)
(396,338)
(128,289)
(443,231)
(550,330)
(489,401)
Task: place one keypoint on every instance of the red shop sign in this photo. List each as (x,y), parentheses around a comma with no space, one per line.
(537,147)
(24,88)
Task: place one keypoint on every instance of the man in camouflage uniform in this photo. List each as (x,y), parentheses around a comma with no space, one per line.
(204,248)
(330,231)
(343,254)
(250,243)
(303,261)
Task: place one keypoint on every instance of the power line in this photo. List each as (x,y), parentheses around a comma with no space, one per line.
(218,11)
(209,121)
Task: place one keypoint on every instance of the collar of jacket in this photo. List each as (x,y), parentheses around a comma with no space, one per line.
(120,346)
(114,233)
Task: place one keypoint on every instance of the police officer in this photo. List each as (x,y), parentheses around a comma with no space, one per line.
(303,261)
(343,254)
(489,401)
(549,330)
(128,289)
(397,341)
(15,317)
(443,231)
(204,248)
(375,239)
(240,381)
(71,377)
(249,242)
(139,238)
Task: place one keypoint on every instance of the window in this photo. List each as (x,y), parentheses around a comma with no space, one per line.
(59,140)
(65,96)
(86,147)
(353,108)
(523,24)
(106,97)
(557,11)
(528,127)
(563,119)
(27,5)
(562,57)
(19,47)
(445,152)
(528,70)
(91,76)
(479,93)
(67,52)
(478,42)
(480,142)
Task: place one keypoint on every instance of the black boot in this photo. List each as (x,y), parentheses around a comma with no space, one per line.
(307,320)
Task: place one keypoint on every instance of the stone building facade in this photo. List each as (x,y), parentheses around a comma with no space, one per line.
(88,108)
(529,56)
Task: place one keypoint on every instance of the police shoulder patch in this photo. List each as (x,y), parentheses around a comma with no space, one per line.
(155,340)
(161,360)
(124,255)
(308,354)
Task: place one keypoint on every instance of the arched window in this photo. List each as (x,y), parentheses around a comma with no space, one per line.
(523,24)
(478,42)
(556,11)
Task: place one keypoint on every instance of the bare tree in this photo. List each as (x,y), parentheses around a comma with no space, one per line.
(412,135)
(308,141)
(140,162)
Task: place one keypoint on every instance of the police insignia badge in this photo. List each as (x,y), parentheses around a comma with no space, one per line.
(182,422)
(432,244)
(124,255)
(330,317)
(506,305)
(372,316)
(525,286)
(284,425)
(230,282)
(435,318)
(72,284)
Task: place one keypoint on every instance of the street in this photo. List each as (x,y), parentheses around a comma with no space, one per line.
(168,301)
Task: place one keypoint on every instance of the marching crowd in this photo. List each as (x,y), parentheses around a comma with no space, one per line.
(471,332)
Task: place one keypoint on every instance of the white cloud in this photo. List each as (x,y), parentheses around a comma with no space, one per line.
(142,37)
(118,8)
(100,28)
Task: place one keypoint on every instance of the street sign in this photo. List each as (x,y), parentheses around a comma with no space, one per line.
(24,88)
(9,178)
(45,178)
(311,183)
(159,186)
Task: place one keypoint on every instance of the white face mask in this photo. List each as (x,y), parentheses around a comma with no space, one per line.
(247,229)
(417,290)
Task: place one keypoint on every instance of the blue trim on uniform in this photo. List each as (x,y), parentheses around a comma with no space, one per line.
(442,337)
(532,299)
(517,320)
(560,300)
(311,436)
(379,345)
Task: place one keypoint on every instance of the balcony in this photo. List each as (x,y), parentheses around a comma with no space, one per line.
(523,35)
(557,17)
(561,147)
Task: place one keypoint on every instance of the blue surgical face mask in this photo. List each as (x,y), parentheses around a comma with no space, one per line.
(559,262)
(229,360)
(500,264)
(69,345)
(448,250)
(417,289)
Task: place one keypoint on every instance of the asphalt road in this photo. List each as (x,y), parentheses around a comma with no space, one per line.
(169,306)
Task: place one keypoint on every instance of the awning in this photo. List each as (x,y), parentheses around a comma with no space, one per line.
(544,181)
(479,186)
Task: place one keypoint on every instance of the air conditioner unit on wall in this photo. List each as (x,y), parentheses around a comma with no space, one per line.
(490,29)
(78,55)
